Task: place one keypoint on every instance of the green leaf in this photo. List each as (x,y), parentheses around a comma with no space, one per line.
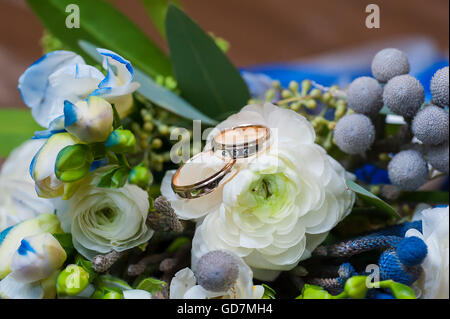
(371,199)
(112,282)
(157,10)
(101,23)
(205,76)
(116,117)
(16,126)
(65,240)
(269,293)
(156,93)
(105,180)
(116,177)
(151,285)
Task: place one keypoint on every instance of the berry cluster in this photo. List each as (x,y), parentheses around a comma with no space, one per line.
(403,95)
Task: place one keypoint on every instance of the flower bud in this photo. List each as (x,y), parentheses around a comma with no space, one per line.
(72,280)
(112,295)
(121,141)
(401,291)
(356,288)
(90,120)
(293,86)
(42,168)
(314,292)
(73,162)
(141,176)
(306,86)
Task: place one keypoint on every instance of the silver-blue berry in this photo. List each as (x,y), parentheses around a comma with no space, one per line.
(354,134)
(430,125)
(437,156)
(404,95)
(439,87)
(217,271)
(365,96)
(408,170)
(389,63)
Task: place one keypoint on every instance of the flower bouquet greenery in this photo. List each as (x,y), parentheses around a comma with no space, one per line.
(90,207)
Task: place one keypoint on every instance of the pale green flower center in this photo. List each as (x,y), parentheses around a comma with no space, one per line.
(268,193)
(105,216)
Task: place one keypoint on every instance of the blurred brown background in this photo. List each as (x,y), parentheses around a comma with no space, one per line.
(258,30)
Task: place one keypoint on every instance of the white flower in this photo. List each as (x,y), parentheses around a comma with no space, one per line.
(434,282)
(279,206)
(90,120)
(63,75)
(37,258)
(11,238)
(105,219)
(42,168)
(18,198)
(184,286)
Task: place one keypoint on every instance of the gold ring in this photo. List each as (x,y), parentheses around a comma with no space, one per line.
(205,186)
(242,141)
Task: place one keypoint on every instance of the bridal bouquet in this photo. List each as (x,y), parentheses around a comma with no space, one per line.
(332,208)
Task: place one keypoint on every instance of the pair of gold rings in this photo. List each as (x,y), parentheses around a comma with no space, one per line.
(228,146)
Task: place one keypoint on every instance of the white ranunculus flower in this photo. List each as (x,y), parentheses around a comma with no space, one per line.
(279,206)
(105,219)
(434,282)
(18,198)
(184,286)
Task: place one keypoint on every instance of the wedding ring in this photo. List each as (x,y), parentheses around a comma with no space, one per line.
(190,190)
(242,141)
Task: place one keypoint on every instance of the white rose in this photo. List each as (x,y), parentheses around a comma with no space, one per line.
(105,219)
(279,206)
(18,198)
(434,282)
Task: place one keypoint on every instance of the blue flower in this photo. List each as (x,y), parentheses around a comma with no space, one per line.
(63,75)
